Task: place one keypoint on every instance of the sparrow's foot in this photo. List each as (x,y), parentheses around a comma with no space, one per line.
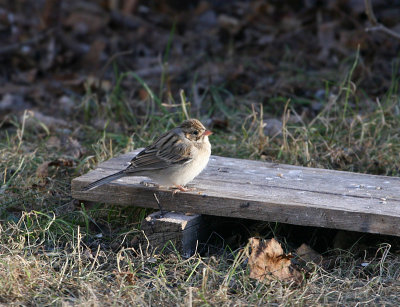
(180,188)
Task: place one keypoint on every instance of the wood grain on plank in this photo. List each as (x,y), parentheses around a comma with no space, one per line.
(183,231)
(263,191)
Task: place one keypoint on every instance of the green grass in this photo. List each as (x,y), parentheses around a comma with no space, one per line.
(54,251)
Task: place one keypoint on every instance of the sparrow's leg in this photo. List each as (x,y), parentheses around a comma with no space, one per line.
(162,213)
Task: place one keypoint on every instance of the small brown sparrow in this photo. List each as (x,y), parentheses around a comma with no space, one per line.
(173,160)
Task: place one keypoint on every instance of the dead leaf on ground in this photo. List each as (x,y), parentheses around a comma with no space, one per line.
(43,169)
(268,261)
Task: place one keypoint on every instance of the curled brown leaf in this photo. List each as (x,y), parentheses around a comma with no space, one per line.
(268,261)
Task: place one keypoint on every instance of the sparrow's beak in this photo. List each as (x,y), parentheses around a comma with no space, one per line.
(207,132)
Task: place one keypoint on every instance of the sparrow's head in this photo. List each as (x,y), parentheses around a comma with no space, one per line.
(194,130)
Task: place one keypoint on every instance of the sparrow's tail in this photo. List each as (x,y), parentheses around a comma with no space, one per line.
(104,180)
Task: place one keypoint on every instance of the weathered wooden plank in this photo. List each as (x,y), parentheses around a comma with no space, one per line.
(264,191)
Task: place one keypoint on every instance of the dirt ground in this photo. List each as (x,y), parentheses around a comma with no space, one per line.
(53,52)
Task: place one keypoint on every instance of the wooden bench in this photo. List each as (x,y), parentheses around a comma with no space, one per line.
(263,191)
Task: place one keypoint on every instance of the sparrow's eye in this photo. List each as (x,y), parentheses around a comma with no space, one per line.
(195,132)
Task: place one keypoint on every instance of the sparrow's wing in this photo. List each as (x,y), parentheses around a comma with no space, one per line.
(170,149)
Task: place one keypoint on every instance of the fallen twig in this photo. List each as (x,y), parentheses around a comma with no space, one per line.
(376,26)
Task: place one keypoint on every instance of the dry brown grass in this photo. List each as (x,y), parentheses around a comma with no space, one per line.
(73,274)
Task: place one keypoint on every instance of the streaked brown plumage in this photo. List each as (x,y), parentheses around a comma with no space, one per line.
(174,159)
